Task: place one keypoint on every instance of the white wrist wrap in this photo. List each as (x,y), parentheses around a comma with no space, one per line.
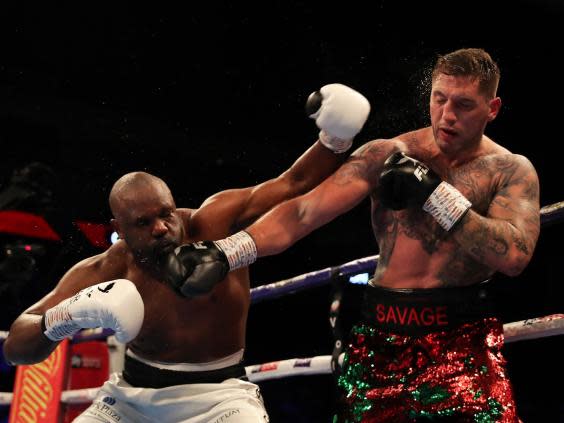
(59,324)
(447,205)
(337,145)
(240,249)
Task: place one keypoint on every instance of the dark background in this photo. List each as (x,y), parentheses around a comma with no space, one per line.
(212,97)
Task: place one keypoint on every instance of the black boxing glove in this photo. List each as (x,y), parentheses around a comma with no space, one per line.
(194,269)
(406,182)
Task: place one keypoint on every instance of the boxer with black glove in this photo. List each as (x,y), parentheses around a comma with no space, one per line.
(194,269)
(406,182)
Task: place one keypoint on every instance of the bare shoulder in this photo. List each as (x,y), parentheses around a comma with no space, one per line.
(518,160)
(376,148)
(217,215)
(366,162)
(510,165)
(518,179)
(109,265)
(418,144)
(502,158)
(228,195)
(417,136)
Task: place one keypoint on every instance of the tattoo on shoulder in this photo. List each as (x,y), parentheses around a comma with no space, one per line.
(365,163)
(505,163)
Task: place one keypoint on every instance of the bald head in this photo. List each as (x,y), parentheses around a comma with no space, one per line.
(135,187)
(145,215)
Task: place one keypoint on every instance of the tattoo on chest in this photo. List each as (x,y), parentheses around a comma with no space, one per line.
(477,181)
(420,226)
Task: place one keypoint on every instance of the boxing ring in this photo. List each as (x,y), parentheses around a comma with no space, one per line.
(532,328)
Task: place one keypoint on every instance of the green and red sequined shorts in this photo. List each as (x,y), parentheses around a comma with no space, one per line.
(423,356)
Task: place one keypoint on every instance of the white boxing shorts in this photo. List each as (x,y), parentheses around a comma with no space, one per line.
(230,401)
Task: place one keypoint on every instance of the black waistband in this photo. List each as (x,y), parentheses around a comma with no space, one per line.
(417,311)
(141,375)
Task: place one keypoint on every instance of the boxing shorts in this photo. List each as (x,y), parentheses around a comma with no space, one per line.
(426,355)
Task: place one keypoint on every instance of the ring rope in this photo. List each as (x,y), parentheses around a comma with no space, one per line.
(549,214)
(535,328)
(539,327)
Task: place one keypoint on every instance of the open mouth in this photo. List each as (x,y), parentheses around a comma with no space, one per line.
(447,133)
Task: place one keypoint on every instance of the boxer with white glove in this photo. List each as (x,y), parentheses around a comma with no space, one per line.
(340,112)
(115,305)
(194,269)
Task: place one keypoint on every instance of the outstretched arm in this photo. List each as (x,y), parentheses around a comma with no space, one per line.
(340,112)
(196,268)
(294,219)
(506,237)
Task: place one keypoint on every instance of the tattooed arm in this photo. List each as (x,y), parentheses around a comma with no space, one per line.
(504,240)
(348,186)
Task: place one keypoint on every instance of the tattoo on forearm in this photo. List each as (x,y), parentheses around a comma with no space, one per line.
(520,243)
(500,231)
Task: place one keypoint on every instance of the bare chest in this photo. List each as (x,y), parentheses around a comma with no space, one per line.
(414,247)
(179,329)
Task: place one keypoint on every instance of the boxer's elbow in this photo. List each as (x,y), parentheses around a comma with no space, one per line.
(9,354)
(515,264)
(25,344)
(17,354)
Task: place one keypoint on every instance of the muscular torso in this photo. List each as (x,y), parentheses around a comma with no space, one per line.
(415,252)
(201,329)
(177,329)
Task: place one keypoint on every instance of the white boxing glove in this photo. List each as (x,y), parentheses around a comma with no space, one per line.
(115,305)
(340,112)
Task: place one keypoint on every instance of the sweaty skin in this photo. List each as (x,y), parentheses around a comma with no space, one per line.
(436,259)
(175,329)
(498,234)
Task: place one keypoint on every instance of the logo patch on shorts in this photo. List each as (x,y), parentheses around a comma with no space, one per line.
(102,410)
(228,414)
(109,400)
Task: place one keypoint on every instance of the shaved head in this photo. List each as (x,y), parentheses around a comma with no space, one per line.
(145,215)
(131,186)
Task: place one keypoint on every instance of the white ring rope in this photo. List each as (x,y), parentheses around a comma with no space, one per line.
(539,327)
(535,328)
(549,214)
